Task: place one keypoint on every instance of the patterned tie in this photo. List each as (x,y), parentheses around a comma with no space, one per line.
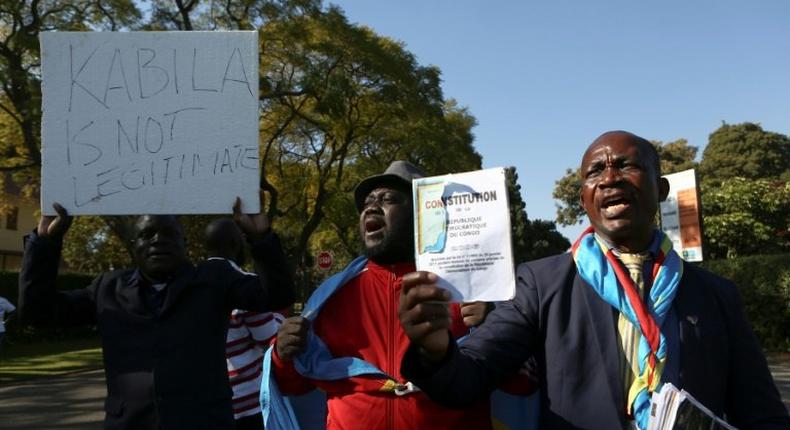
(629,333)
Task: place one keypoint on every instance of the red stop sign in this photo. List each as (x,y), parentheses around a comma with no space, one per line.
(325,260)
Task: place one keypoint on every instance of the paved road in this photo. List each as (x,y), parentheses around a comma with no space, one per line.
(75,402)
(780,369)
(64,402)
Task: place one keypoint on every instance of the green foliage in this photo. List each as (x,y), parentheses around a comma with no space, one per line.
(21,22)
(91,247)
(566,191)
(675,156)
(531,239)
(746,151)
(519,224)
(743,217)
(341,103)
(764,284)
(545,240)
(338,103)
(745,191)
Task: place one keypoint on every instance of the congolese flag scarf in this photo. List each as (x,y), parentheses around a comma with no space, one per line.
(316,362)
(598,266)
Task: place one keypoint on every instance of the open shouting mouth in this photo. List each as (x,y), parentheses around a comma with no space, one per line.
(614,206)
(373,225)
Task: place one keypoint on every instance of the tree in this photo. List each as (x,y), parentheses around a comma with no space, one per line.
(90,235)
(675,156)
(747,151)
(747,216)
(344,103)
(338,103)
(566,191)
(531,239)
(21,22)
(744,173)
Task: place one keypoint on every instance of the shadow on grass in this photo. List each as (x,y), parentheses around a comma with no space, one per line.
(49,358)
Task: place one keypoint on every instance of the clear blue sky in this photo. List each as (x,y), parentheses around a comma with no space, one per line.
(545,78)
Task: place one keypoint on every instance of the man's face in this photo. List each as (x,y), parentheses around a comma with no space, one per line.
(159,246)
(386,226)
(621,190)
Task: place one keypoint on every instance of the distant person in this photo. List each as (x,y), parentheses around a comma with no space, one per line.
(608,323)
(6,308)
(356,362)
(164,322)
(249,333)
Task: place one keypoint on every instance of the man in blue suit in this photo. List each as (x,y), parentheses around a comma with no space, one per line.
(608,323)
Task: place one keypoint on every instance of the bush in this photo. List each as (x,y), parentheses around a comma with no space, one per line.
(764,284)
(20,333)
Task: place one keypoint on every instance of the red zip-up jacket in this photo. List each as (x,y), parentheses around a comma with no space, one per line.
(361,320)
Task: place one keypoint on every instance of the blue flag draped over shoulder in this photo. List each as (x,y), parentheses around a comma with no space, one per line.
(316,362)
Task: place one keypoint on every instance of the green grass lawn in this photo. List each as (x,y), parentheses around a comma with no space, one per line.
(49,358)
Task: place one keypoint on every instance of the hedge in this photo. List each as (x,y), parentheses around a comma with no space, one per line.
(19,333)
(763,281)
(764,284)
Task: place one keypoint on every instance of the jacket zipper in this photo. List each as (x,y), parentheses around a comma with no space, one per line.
(391,349)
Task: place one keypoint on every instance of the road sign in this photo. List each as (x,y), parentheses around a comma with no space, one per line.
(325,260)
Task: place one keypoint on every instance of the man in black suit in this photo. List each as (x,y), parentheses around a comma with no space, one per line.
(163,323)
(599,359)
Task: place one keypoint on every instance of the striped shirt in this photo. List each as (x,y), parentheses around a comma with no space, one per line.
(249,334)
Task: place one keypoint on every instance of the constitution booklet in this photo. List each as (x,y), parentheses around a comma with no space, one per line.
(462,233)
(672,408)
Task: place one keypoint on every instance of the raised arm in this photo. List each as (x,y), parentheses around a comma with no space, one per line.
(275,289)
(39,301)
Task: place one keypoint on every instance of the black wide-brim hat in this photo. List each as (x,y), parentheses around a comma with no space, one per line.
(398,175)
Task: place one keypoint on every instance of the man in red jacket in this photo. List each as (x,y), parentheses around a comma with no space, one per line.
(361,320)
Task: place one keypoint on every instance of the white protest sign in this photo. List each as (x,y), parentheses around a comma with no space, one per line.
(149,122)
(462,233)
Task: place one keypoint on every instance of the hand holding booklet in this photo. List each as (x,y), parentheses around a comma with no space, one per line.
(672,408)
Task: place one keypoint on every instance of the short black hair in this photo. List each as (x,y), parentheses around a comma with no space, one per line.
(223,237)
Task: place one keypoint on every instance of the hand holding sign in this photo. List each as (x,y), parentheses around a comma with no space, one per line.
(253,225)
(54,227)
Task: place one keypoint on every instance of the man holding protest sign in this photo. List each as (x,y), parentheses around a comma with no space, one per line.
(348,341)
(606,332)
(163,323)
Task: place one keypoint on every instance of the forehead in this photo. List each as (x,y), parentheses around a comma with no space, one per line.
(157,222)
(617,146)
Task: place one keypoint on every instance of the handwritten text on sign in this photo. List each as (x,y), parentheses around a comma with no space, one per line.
(150,122)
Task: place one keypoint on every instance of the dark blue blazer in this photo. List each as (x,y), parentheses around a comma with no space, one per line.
(165,367)
(561,321)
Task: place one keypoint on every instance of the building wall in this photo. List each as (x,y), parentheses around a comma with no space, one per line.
(10,238)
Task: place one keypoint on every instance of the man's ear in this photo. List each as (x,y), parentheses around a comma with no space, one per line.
(663,189)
